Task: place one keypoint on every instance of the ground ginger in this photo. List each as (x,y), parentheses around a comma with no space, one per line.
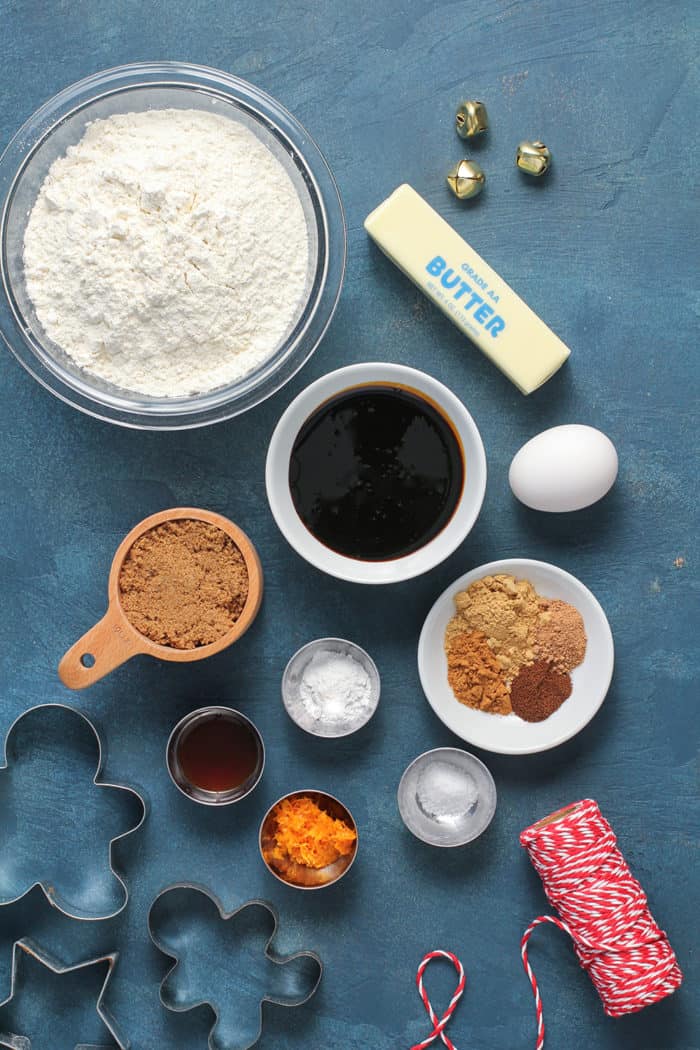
(507,611)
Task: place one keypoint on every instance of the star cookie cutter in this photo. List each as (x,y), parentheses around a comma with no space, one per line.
(187,984)
(59,816)
(28,947)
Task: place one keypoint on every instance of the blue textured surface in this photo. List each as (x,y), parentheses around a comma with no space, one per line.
(604,249)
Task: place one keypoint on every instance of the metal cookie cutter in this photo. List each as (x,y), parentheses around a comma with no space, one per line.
(53,758)
(189,925)
(20,950)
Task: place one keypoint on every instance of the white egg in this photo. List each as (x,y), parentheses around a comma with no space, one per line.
(565,468)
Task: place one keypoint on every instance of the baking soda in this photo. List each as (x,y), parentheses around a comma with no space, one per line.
(334,692)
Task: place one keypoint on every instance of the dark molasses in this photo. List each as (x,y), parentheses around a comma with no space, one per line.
(376,472)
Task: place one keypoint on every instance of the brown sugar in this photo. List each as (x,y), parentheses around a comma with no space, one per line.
(560,635)
(183,583)
(475,674)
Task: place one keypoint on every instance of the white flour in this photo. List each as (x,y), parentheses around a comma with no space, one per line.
(167,252)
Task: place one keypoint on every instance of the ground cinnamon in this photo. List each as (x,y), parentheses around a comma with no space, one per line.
(475,674)
(183,583)
(538,690)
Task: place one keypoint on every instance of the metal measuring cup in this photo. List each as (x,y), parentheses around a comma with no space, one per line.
(114,640)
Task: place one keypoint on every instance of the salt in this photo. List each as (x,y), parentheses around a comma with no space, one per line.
(446,793)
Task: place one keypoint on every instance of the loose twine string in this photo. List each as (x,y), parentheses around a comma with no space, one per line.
(439,1024)
(603,909)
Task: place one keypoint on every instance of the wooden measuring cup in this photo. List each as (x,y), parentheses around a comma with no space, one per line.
(114,640)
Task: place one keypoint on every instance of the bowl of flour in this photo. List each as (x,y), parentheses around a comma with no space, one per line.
(172,245)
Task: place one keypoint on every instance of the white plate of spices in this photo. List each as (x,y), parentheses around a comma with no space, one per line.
(516,656)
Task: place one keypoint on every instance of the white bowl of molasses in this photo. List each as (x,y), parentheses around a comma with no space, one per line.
(376,473)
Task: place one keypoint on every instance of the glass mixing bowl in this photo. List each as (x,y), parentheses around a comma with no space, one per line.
(60,123)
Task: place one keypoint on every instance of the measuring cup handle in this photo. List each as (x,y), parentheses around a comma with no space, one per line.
(104,647)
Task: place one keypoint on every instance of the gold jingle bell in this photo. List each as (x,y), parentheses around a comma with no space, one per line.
(466,179)
(533,158)
(471,118)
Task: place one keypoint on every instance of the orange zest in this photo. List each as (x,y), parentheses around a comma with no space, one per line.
(308,835)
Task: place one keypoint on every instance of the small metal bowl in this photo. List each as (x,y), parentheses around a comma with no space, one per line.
(291,682)
(193,791)
(298,875)
(447,797)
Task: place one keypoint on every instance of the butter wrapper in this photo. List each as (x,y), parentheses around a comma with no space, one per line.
(455,277)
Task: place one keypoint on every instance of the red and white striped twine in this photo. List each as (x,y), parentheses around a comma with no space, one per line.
(439,1024)
(603,909)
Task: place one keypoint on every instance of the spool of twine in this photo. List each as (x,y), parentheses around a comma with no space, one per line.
(603,909)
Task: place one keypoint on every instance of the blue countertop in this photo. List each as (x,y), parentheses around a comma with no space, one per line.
(605,250)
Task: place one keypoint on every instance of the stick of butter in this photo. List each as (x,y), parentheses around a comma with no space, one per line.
(473,296)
